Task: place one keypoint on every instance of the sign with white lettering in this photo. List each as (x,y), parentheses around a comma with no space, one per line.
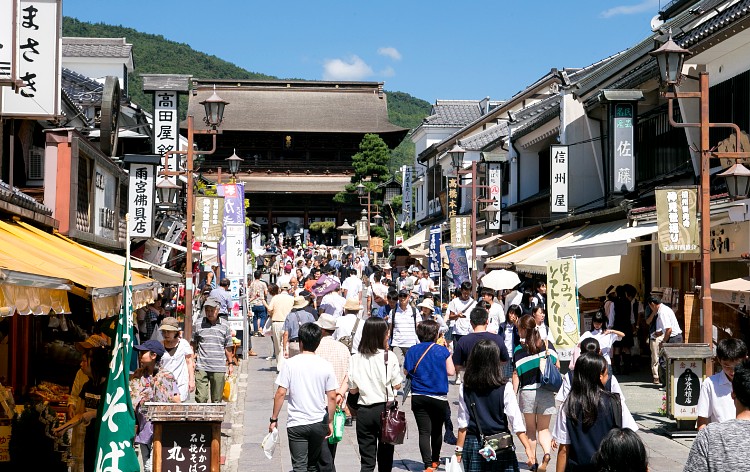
(37,58)
(495,182)
(677,220)
(8,11)
(141,200)
(406,190)
(622,124)
(209,218)
(460,231)
(559,179)
(434,263)
(166,131)
(185,449)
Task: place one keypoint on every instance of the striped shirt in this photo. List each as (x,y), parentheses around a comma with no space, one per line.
(211,342)
(527,366)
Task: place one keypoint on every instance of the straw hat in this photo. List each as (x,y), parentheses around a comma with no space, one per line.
(299,303)
(327,322)
(427,303)
(352,305)
(169,323)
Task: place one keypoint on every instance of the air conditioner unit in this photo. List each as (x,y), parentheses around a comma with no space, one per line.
(36,164)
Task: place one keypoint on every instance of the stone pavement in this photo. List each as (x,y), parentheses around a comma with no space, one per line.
(247,423)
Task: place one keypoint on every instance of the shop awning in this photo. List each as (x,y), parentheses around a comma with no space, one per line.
(733,292)
(518,255)
(611,243)
(160,274)
(417,239)
(29,249)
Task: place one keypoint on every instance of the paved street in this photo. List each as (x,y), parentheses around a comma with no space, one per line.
(250,420)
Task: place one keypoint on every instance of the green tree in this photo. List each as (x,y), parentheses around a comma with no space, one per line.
(370,167)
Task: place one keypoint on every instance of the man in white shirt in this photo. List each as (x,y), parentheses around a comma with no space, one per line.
(350,325)
(715,404)
(333,303)
(497,314)
(667,331)
(311,384)
(404,321)
(351,288)
(426,284)
(458,311)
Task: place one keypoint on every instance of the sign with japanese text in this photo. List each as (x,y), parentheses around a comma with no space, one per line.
(452,197)
(8,12)
(105,202)
(461,231)
(37,60)
(676,217)
(166,131)
(495,182)
(5,443)
(376,244)
(406,189)
(362,230)
(559,179)
(686,388)
(622,124)
(458,264)
(730,241)
(434,263)
(141,186)
(209,218)
(234,213)
(562,306)
(235,260)
(186,449)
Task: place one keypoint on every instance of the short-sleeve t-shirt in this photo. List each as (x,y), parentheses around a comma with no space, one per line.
(527,365)
(176,362)
(212,340)
(605,341)
(720,447)
(715,401)
(307,378)
(462,326)
(464,346)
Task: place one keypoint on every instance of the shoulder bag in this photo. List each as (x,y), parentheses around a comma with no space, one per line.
(392,421)
(407,381)
(551,378)
(497,442)
(349,340)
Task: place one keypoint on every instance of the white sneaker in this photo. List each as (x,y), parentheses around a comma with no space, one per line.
(270,358)
(458,381)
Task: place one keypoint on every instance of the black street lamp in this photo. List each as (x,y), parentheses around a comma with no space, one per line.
(234,162)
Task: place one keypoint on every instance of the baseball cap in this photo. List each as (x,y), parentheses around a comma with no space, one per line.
(151,345)
(92,342)
(212,301)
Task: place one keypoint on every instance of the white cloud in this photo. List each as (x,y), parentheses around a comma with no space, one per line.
(352,69)
(387,72)
(643,6)
(390,52)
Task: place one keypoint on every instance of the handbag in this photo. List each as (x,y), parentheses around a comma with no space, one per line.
(392,421)
(497,442)
(551,378)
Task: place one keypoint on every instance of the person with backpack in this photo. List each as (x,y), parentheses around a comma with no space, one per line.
(588,414)
(403,326)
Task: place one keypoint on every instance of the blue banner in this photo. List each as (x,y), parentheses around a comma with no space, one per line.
(435,251)
(458,264)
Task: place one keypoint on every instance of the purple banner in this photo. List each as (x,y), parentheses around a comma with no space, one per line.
(234,213)
(435,251)
(458,264)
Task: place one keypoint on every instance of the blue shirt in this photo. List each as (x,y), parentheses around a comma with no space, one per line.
(431,376)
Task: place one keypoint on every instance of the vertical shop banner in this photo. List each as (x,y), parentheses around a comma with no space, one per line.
(141,194)
(559,179)
(406,189)
(452,207)
(235,260)
(495,182)
(114,451)
(461,231)
(458,265)
(8,11)
(234,213)
(677,220)
(209,219)
(37,61)
(686,388)
(562,305)
(623,136)
(166,131)
(435,251)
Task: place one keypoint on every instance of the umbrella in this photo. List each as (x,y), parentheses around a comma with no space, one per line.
(348,250)
(501,279)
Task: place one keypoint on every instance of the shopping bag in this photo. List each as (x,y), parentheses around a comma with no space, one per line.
(230,388)
(452,465)
(270,442)
(227,390)
(267,328)
(339,418)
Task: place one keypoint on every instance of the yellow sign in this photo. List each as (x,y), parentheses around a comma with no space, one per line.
(676,216)
(376,244)
(5,432)
(562,305)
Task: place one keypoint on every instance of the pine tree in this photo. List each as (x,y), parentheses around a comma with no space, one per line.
(370,168)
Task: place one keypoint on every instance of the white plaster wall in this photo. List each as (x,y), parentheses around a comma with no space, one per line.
(585,164)
(50,177)
(96,68)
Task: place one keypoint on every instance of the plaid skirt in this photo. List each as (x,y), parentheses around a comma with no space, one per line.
(473,462)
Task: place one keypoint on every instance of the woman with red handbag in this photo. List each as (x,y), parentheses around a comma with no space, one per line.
(375,375)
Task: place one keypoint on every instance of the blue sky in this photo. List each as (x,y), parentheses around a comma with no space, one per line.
(439,49)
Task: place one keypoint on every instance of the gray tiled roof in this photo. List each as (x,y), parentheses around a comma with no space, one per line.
(718,22)
(96,47)
(453,113)
(537,108)
(479,141)
(81,89)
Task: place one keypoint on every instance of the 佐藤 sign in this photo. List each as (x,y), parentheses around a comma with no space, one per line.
(622,124)
(676,217)
(562,305)
(559,179)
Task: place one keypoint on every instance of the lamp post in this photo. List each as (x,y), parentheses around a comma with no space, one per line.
(214,108)
(457,157)
(234,162)
(671,57)
(363,192)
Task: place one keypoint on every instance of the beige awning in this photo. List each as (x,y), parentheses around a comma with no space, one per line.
(733,292)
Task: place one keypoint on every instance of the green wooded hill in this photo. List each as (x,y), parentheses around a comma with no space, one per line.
(154,54)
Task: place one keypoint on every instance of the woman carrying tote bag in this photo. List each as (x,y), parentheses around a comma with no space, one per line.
(375,376)
(487,412)
(537,404)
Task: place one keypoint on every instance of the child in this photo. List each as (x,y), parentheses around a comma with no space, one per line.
(715,403)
